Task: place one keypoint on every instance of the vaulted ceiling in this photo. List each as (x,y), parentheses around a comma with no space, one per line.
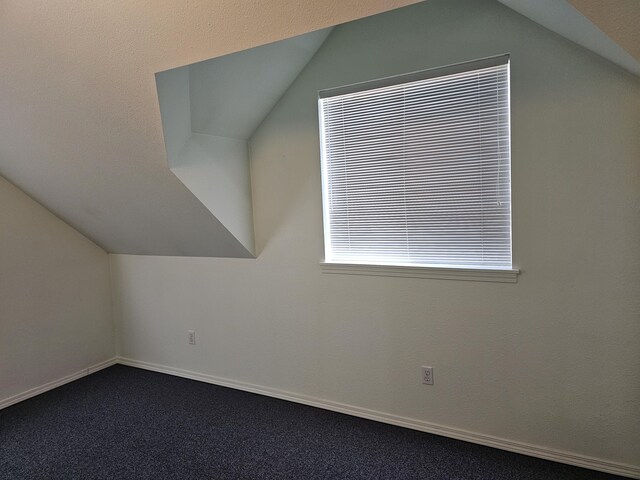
(80,121)
(619,19)
(606,27)
(80,126)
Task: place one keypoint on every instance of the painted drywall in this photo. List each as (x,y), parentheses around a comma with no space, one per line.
(562,17)
(216,170)
(619,19)
(550,361)
(80,127)
(175,109)
(210,109)
(230,95)
(55,297)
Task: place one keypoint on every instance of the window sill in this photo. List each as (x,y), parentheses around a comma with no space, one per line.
(465,274)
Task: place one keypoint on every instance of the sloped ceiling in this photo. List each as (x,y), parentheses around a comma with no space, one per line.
(619,19)
(597,29)
(231,95)
(80,127)
(210,109)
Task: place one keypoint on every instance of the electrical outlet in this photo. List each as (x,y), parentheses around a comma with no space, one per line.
(427,375)
(192,337)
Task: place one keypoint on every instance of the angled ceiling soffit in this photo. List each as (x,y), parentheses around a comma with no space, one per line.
(210,109)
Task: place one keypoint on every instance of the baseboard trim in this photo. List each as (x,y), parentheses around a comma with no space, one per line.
(487,440)
(32,392)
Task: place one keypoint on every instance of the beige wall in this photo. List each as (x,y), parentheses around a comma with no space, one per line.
(55,298)
(551,361)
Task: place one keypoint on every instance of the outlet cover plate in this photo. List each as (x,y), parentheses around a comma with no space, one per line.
(427,375)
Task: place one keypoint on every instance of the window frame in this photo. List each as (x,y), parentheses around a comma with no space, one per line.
(449,272)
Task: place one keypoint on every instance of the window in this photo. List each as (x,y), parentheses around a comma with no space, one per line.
(416,169)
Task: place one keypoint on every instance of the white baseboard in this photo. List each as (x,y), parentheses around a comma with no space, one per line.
(55,383)
(488,440)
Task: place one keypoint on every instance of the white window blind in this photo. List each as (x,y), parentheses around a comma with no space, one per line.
(416,168)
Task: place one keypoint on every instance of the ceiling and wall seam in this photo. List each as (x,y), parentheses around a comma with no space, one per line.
(95,117)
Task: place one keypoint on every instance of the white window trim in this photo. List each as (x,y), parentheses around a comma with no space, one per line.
(453,272)
(441,273)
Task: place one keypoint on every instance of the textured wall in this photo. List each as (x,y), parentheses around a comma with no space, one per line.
(55,298)
(551,361)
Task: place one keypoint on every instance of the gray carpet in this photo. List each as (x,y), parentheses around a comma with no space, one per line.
(127,423)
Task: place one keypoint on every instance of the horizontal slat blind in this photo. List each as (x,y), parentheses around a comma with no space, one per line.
(418,173)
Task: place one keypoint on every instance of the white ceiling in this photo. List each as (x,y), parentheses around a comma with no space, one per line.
(80,127)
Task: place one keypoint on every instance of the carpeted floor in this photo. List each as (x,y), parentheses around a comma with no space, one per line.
(126,423)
